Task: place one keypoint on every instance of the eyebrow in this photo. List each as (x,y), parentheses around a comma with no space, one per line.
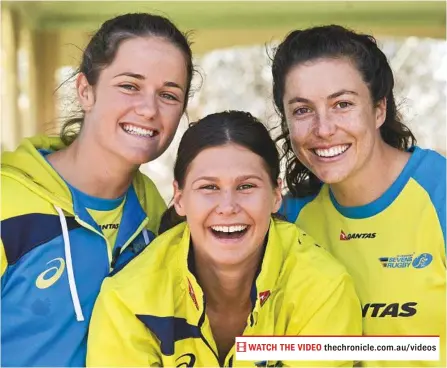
(239,178)
(330,97)
(142,77)
(342,92)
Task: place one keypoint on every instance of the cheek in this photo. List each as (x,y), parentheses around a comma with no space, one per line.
(299,131)
(198,207)
(113,104)
(259,206)
(171,116)
(359,123)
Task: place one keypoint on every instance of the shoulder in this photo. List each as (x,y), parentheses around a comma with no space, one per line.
(430,170)
(146,190)
(309,274)
(12,190)
(305,256)
(429,173)
(150,199)
(292,206)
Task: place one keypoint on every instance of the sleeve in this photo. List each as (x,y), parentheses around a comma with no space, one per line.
(116,337)
(4,261)
(291,207)
(337,313)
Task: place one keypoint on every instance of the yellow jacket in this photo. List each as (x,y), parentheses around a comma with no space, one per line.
(54,257)
(152,312)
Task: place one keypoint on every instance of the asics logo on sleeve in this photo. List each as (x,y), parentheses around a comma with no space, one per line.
(56,271)
(186,360)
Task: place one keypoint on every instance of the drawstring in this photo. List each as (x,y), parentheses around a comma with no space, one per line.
(146,237)
(68,261)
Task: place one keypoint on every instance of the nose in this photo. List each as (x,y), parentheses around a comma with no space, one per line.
(228,203)
(147,106)
(325,127)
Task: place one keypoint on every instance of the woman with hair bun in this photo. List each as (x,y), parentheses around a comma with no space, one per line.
(75,208)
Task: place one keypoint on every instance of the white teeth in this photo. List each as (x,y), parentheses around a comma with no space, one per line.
(131,129)
(331,152)
(229,229)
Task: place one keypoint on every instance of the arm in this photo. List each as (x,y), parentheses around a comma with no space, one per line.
(4,261)
(337,312)
(116,337)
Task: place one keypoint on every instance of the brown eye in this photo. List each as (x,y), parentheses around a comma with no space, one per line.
(128,87)
(343,104)
(301,111)
(209,187)
(245,186)
(168,96)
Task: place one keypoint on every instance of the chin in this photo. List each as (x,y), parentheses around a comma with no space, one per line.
(139,158)
(229,261)
(332,178)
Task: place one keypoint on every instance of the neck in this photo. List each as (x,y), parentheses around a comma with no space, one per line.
(379,172)
(88,168)
(227,287)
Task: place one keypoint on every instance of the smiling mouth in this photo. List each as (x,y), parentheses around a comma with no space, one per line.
(331,152)
(229,232)
(139,132)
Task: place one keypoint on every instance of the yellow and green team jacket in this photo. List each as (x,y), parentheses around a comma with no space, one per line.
(394,249)
(54,257)
(153,312)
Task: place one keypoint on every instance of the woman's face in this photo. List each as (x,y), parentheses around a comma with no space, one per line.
(228,199)
(333,124)
(134,109)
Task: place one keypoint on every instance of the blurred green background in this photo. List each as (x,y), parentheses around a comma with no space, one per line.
(43,39)
(220,24)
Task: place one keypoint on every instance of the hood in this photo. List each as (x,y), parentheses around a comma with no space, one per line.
(27,166)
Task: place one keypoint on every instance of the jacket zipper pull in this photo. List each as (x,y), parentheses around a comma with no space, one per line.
(116,253)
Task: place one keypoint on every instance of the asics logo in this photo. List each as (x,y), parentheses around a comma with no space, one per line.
(56,272)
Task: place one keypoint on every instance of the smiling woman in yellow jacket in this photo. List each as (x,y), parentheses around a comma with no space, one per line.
(231,269)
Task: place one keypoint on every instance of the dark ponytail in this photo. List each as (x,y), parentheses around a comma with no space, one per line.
(103,47)
(170,219)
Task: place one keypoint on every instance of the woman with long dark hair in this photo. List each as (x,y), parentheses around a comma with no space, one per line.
(358,183)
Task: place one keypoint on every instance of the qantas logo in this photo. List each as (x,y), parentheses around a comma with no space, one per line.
(382,310)
(110,227)
(263,296)
(192,294)
(344,236)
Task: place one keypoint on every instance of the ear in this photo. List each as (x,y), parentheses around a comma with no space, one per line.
(178,199)
(85,92)
(278,197)
(380,112)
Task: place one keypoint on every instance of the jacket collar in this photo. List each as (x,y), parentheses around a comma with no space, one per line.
(264,284)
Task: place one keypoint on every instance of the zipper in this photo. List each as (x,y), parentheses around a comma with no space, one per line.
(87,226)
(230,356)
(118,250)
(116,253)
(201,320)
